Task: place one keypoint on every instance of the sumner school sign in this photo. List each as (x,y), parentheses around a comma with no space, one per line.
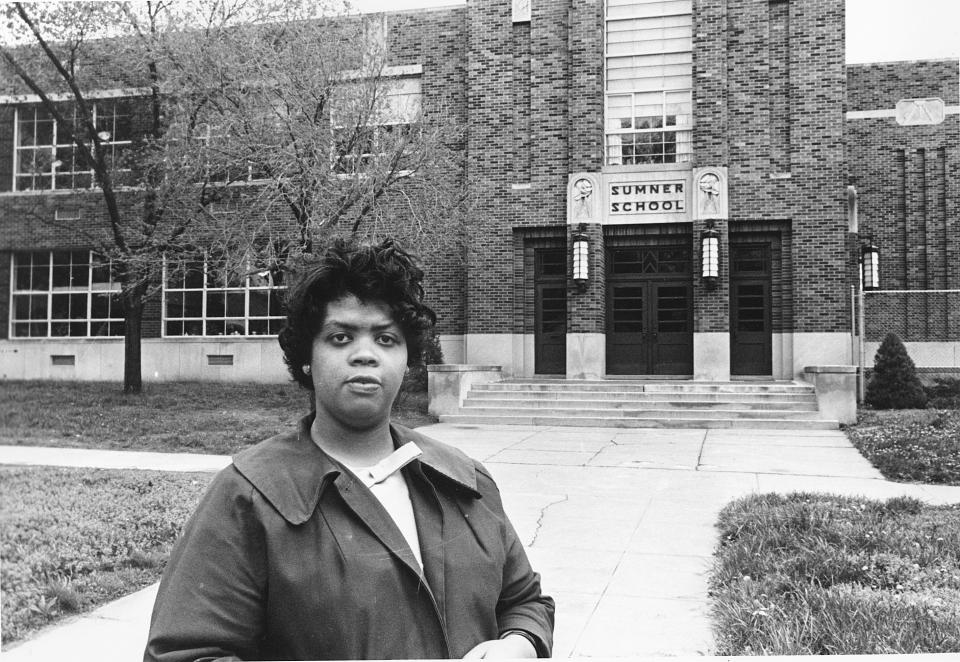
(648,198)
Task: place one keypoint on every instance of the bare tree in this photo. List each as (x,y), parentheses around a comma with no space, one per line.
(335,139)
(268,127)
(151,187)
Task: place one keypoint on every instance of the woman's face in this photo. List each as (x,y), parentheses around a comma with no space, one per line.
(358,362)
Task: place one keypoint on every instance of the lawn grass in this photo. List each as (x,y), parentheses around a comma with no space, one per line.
(809,574)
(73,539)
(912,445)
(197,417)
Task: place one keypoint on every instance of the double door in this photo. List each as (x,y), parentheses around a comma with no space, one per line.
(649,311)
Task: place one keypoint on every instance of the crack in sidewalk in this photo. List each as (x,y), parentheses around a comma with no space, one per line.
(543,512)
(600,450)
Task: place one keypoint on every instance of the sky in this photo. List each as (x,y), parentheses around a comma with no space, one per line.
(877,30)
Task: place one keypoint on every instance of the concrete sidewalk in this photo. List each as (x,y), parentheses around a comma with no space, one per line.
(618,522)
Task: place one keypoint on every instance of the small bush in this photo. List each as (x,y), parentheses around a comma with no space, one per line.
(944,393)
(416,378)
(894,384)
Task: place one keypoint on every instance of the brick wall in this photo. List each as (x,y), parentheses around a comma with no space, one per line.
(769,87)
(908,185)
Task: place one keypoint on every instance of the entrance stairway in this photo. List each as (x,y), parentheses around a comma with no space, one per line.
(642,404)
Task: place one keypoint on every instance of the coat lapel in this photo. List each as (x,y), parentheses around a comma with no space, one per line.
(371,512)
(430,529)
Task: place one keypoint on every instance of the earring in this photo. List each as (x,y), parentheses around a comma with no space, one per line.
(306,369)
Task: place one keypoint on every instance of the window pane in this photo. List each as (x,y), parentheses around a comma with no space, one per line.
(276,302)
(193,304)
(235,327)
(174,304)
(22,276)
(100,306)
(216,304)
(193,277)
(38,307)
(60,306)
(235,304)
(215,327)
(259,303)
(21,307)
(40,277)
(259,327)
(101,272)
(99,328)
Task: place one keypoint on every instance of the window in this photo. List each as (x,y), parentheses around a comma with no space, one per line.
(221,164)
(361,134)
(649,80)
(203,298)
(46,159)
(64,294)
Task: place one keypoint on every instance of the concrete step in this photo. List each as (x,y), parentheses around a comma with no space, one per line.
(565,396)
(568,404)
(607,422)
(516,410)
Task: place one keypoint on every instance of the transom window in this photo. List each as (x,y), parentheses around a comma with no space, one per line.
(203,298)
(649,81)
(46,159)
(64,294)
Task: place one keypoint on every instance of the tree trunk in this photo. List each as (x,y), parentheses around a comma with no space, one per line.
(133,318)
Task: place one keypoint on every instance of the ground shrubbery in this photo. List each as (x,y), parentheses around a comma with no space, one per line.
(72,539)
(920,446)
(894,383)
(819,574)
(944,393)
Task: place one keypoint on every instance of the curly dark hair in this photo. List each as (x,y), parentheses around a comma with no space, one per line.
(371,272)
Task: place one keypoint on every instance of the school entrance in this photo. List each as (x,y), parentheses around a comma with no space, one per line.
(650,310)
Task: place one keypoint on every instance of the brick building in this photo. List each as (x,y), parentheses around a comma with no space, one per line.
(662,190)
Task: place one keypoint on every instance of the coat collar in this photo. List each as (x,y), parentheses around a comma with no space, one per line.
(291,471)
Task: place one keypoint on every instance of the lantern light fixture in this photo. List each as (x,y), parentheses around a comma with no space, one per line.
(710,255)
(580,257)
(870,266)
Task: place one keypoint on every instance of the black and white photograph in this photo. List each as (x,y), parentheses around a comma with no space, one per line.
(479,329)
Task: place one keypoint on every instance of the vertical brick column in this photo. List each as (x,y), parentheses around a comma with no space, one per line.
(711,306)
(586,310)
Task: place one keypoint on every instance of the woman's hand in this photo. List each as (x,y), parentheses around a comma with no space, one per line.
(512,646)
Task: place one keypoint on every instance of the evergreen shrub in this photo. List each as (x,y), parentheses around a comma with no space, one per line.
(894,384)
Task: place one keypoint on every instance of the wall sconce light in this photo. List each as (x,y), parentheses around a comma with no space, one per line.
(710,255)
(580,256)
(870,266)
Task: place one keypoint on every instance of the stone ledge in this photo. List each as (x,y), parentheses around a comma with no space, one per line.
(463,367)
(448,384)
(831,369)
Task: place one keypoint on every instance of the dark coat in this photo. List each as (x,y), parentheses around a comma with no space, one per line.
(288,556)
